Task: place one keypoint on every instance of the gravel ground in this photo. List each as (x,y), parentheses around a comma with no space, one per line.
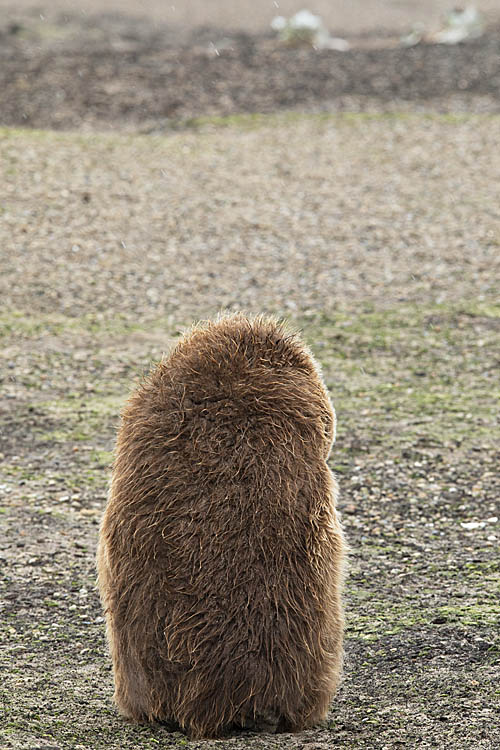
(292,214)
(377,234)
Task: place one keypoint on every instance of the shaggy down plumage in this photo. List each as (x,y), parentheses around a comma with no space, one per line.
(220,555)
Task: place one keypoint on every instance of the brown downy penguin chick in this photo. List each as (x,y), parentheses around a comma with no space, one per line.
(220,556)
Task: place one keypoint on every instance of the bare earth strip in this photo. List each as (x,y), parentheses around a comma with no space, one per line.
(117,73)
(379,237)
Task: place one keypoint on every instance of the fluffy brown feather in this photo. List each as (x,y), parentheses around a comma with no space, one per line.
(220,556)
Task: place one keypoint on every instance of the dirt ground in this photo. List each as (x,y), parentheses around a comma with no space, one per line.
(95,72)
(375,232)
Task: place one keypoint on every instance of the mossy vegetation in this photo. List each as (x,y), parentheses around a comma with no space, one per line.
(416,392)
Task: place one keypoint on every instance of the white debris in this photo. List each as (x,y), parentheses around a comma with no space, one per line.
(415,36)
(336,43)
(278,23)
(459,25)
(470,525)
(304,19)
(307,29)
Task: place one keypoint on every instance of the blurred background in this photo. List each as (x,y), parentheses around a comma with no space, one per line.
(354,16)
(139,66)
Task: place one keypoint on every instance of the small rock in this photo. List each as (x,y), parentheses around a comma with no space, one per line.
(470,525)
(439,620)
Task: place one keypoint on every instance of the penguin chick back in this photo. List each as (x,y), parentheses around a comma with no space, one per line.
(233,390)
(221,555)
